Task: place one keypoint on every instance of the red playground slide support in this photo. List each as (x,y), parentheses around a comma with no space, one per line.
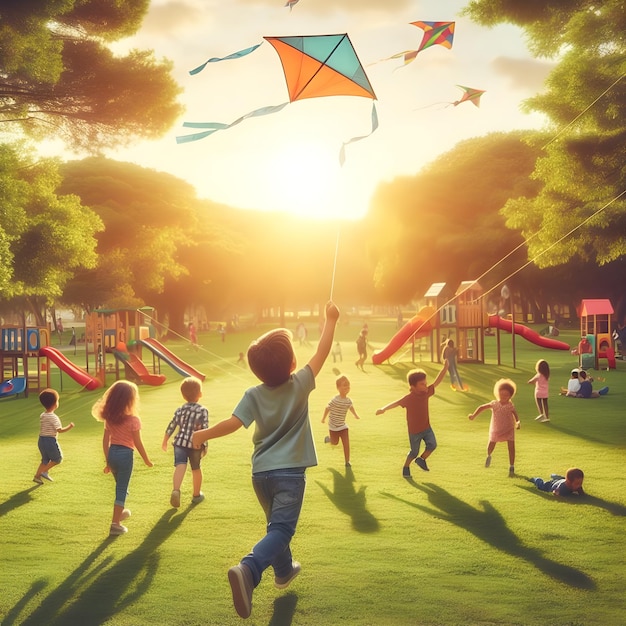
(81,376)
(417,327)
(527,333)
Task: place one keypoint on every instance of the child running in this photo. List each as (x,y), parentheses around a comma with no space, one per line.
(188,418)
(336,411)
(49,428)
(417,418)
(283,449)
(504,420)
(540,380)
(118,409)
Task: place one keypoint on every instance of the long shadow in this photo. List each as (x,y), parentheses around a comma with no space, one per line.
(489,526)
(351,502)
(92,596)
(17,499)
(284,610)
(614,508)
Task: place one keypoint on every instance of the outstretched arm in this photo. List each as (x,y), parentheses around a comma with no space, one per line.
(326,340)
(225,427)
(480,409)
(391,405)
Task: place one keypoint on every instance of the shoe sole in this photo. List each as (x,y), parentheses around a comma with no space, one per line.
(175,499)
(47,478)
(285,584)
(241,601)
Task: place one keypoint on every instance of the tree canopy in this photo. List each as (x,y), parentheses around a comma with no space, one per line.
(58,77)
(580,211)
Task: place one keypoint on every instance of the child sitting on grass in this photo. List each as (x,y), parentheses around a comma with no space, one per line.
(570,484)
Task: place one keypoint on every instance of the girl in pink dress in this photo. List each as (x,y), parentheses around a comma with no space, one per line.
(540,380)
(504,420)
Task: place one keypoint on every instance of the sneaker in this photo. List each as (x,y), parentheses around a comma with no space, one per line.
(602,392)
(125,514)
(117,529)
(283,582)
(38,480)
(544,419)
(422,463)
(46,476)
(241,585)
(488,461)
(175,498)
(326,439)
(511,471)
(197,499)
(539,418)
(348,464)
(406,472)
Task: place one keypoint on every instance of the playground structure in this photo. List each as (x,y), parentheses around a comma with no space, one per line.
(596,337)
(23,368)
(460,316)
(122,334)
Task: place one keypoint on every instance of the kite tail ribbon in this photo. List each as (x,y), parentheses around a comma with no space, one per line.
(215,126)
(342,152)
(234,55)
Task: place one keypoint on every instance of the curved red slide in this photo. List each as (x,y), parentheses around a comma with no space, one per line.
(527,333)
(417,327)
(138,367)
(81,376)
(176,363)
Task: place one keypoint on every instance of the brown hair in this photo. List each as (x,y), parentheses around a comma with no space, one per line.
(271,357)
(48,398)
(341,379)
(191,389)
(415,376)
(119,401)
(542,367)
(504,383)
(573,473)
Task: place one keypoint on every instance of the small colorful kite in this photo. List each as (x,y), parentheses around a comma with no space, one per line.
(435,33)
(291,4)
(469,95)
(314,66)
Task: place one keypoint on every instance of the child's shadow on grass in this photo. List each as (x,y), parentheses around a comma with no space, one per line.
(489,526)
(91,594)
(351,502)
(17,499)
(614,508)
(284,610)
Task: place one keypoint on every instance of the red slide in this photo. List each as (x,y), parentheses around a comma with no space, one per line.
(81,376)
(527,333)
(417,327)
(184,369)
(137,366)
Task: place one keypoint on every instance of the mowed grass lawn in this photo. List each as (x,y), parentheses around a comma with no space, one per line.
(460,544)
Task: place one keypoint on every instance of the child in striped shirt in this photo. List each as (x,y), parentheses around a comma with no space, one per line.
(336,411)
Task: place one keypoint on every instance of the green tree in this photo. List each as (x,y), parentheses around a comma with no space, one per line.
(58,78)
(580,212)
(44,236)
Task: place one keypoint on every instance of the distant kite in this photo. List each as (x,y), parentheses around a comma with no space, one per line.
(435,33)
(291,4)
(469,95)
(314,66)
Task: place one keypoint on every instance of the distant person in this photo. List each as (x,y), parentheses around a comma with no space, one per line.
(336,411)
(568,485)
(361,348)
(241,360)
(450,353)
(221,329)
(336,352)
(49,428)
(573,385)
(586,387)
(118,409)
(193,335)
(417,417)
(188,418)
(504,420)
(60,329)
(283,449)
(542,389)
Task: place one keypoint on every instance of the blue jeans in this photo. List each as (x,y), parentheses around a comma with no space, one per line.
(120,461)
(280,493)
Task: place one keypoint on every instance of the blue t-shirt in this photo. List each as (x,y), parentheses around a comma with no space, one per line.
(585,389)
(282,435)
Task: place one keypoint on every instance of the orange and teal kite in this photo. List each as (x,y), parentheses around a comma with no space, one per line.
(469,95)
(314,66)
(435,33)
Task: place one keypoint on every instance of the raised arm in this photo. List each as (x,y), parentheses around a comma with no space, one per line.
(326,340)
(441,374)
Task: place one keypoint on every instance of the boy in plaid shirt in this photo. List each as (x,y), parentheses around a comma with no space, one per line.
(190,417)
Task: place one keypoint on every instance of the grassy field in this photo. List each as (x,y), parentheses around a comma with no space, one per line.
(458,545)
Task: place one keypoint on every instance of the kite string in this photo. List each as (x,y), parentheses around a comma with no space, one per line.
(332,282)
